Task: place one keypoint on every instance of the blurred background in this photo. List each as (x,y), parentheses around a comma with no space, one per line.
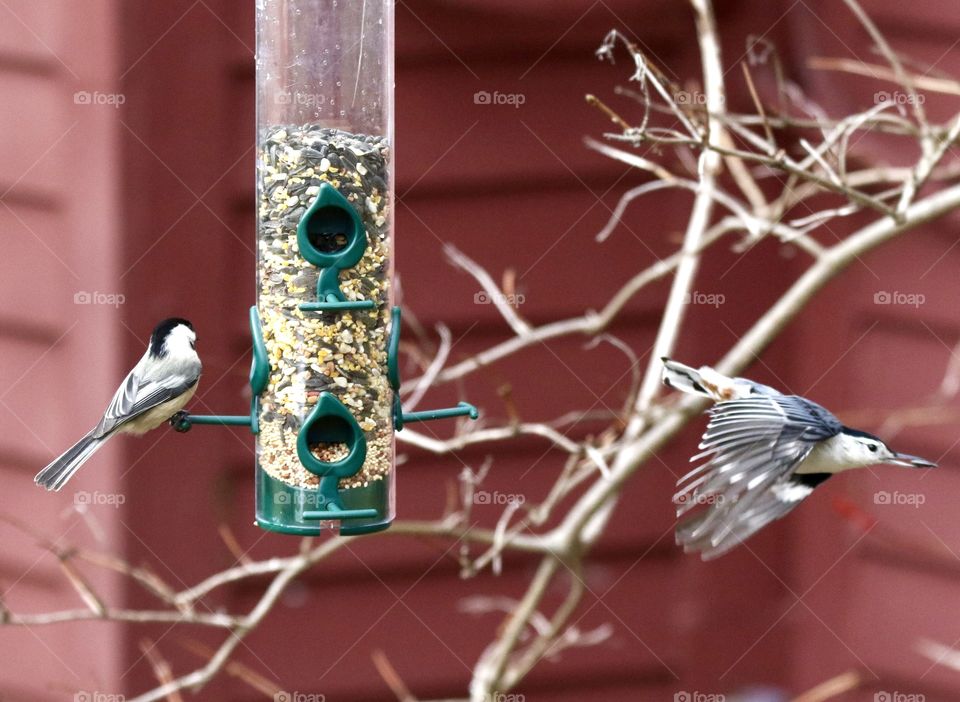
(127,195)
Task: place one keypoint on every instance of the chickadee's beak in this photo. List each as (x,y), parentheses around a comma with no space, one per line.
(905,459)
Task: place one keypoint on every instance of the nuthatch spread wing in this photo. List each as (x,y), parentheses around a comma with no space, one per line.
(763,453)
(751,448)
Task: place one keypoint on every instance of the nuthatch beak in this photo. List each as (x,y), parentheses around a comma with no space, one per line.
(905,459)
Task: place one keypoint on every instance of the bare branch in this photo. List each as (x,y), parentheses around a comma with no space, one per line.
(493,291)
(709,168)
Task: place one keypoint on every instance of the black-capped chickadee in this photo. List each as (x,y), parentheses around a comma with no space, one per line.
(161,383)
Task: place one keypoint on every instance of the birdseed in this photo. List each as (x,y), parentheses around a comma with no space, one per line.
(343,353)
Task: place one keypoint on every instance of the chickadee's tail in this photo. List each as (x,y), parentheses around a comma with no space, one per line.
(56,475)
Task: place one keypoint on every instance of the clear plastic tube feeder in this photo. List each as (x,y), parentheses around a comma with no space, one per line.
(325,448)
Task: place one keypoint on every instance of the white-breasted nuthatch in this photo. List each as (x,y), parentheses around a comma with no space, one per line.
(156,389)
(764,453)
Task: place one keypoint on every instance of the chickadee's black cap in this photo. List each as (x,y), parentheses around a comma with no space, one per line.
(162,329)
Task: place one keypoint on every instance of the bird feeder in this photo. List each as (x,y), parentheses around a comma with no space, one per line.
(325,379)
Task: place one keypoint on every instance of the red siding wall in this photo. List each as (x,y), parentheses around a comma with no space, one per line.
(60,221)
(155,201)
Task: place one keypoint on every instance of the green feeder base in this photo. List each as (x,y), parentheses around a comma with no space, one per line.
(281,507)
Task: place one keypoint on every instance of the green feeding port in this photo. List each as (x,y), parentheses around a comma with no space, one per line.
(331,236)
(331,425)
(329,230)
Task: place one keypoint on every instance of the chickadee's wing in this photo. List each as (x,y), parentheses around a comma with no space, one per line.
(753,445)
(137,394)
